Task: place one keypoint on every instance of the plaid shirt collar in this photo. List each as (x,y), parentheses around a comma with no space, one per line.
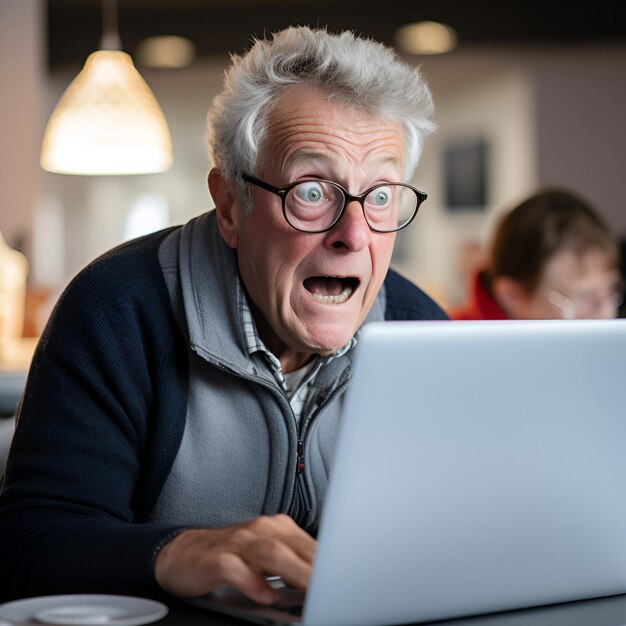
(255,344)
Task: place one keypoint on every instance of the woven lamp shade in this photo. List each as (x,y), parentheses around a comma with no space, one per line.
(107,122)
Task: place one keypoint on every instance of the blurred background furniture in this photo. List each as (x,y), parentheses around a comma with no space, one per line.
(15,349)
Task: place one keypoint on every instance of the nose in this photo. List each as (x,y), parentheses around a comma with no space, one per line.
(351,231)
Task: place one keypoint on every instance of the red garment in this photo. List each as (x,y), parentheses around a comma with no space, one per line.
(481,304)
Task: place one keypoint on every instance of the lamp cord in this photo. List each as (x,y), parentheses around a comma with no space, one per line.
(110,34)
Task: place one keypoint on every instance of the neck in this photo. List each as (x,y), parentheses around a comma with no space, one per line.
(290,360)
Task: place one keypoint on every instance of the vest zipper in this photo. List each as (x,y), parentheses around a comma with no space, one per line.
(300,477)
(302,491)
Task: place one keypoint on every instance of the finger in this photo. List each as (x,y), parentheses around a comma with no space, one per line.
(284,528)
(274,556)
(197,561)
(297,538)
(234,571)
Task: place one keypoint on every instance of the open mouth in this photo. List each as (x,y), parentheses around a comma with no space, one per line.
(331,289)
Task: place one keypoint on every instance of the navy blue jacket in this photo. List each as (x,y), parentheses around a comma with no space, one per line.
(70,529)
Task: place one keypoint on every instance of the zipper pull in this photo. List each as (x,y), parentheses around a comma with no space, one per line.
(300,463)
(300,477)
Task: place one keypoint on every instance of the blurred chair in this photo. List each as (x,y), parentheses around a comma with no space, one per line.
(15,351)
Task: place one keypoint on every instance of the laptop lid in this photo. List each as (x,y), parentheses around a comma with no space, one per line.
(480,467)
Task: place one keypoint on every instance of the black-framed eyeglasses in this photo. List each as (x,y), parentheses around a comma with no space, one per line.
(315,206)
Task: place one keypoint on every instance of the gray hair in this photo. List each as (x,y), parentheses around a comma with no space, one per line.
(365,73)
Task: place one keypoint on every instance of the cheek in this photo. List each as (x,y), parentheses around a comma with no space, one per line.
(274,256)
(382,251)
(380,261)
(539,307)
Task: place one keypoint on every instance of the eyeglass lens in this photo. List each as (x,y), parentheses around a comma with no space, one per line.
(316,204)
(588,304)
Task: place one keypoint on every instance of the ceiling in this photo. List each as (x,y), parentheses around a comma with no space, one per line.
(74,27)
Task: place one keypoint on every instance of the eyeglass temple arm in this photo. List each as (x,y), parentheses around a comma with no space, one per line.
(263,185)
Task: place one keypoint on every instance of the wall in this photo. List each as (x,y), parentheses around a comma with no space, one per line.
(549,116)
(21,71)
(477,96)
(91,211)
(581,128)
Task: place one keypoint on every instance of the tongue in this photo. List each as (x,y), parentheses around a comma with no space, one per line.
(324,286)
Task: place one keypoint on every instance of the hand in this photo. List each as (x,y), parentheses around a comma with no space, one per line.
(198,561)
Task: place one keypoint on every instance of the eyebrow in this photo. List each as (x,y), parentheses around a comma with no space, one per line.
(311,156)
(301,156)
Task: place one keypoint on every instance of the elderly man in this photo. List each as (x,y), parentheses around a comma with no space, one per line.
(182,405)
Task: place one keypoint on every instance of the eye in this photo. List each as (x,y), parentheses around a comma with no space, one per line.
(380,197)
(311,192)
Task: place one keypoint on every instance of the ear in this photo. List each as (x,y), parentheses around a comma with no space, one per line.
(510,296)
(226,207)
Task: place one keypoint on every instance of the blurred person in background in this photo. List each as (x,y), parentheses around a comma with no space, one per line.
(551,257)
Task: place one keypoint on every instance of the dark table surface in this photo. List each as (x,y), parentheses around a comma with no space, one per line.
(610,611)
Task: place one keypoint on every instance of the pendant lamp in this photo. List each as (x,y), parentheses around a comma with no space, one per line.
(108,120)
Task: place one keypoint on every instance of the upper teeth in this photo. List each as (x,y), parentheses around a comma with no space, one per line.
(338,299)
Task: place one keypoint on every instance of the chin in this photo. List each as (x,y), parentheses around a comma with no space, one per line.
(327,341)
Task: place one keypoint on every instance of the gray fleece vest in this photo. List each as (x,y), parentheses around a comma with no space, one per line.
(238,455)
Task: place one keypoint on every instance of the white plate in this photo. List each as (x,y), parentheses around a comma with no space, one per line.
(84,610)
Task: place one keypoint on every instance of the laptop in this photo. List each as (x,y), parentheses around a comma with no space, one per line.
(480,467)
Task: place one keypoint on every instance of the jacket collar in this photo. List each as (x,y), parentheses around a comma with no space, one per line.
(207,266)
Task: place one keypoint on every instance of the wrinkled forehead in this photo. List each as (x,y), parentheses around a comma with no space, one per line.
(310,124)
